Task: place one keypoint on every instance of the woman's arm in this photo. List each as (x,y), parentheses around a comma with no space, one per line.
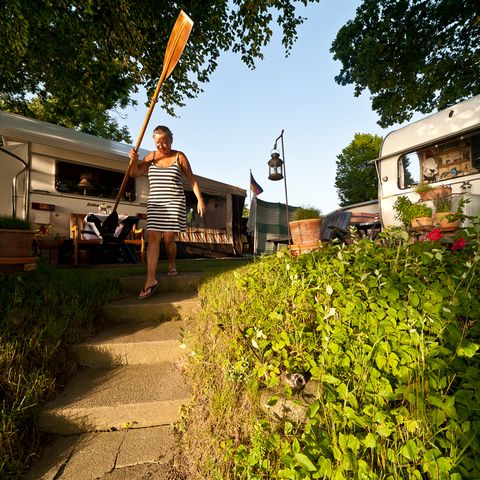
(138,169)
(187,170)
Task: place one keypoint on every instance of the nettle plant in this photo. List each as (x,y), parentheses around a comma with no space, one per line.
(390,333)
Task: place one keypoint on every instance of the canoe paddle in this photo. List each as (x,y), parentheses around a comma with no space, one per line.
(175,46)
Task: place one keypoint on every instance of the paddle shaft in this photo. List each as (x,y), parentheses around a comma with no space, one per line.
(175,46)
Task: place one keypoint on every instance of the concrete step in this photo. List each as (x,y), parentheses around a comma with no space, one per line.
(133,396)
(161,306)
(134,453)
(183,282)
(132,345)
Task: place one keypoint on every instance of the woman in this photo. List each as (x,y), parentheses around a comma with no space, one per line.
(166,210)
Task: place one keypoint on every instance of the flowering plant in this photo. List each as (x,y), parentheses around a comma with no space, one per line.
(45,235)
(46,231)
(436,235)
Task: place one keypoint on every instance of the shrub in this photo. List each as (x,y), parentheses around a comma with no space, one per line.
(390,333)
(306,213)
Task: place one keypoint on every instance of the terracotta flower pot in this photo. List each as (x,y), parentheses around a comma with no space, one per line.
(16,243)
(305,231)
(444,224)
(443,191)
(422,223)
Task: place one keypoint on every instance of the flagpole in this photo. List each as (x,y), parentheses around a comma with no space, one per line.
(250,190)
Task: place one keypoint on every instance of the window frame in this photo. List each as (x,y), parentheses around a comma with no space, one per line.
(447,153)
(72,172)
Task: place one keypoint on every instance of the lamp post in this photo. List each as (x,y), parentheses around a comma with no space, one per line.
(277,171)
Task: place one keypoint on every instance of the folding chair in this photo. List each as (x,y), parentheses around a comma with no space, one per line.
(336,226)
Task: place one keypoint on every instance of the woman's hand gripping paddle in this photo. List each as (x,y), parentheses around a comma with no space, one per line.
(175,46)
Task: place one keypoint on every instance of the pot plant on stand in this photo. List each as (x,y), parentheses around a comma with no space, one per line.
(305,226)
(428,192)
(48,242)
(416,216)
(16,244)
(447,217)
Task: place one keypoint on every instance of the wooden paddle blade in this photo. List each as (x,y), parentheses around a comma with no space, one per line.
(176,43)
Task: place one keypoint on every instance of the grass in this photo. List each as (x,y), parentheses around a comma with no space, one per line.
(42,314)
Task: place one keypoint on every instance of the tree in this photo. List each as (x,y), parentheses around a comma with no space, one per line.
(72,62)
(356,178)
(412,55)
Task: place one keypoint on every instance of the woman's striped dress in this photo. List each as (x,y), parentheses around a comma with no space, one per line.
(166,210)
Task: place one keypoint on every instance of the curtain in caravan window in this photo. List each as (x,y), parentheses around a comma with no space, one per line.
(401,173)
(408,170)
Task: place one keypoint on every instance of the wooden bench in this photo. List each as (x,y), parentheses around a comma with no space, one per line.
(77,234)
(136,238)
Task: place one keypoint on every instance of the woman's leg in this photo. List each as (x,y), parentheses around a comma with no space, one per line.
(153,251)
(170,248)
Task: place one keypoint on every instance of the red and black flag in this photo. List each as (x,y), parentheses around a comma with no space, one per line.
(254,186)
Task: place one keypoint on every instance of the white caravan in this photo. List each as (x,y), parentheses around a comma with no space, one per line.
(441,149)
(49,172)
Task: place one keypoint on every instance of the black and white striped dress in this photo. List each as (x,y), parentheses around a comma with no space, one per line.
(166,210)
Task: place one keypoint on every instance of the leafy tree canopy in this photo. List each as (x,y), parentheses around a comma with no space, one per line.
(412,55)
(356,178)
(73,62)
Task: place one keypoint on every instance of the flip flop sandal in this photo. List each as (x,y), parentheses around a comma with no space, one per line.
(172,273)
(147,291)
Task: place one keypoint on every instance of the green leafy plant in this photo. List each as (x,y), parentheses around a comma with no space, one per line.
(306,213)
(406,210)
(388,332)
(447,204)
(423,188)
(443,204)
(10,223)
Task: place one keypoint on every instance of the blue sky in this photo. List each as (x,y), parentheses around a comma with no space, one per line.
(231,127)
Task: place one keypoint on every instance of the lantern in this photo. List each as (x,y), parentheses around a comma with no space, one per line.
(275,167)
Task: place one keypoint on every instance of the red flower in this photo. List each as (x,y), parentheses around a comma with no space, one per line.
(459,244)
(42,229)
(434,235)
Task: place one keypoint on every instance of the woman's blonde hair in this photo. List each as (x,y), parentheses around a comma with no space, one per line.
(164,130)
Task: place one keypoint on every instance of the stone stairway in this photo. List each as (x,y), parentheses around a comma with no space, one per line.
(114,419)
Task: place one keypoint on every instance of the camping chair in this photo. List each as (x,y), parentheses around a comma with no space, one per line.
(336,226)
(114,240)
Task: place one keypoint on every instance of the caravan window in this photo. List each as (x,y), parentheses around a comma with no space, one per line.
(408,170)
(453,158)
(92,181)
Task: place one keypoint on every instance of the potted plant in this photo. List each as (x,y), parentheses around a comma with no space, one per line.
(418,216)
(447,217)
(427,192)
(16,241)
(305,225)
(46,237)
